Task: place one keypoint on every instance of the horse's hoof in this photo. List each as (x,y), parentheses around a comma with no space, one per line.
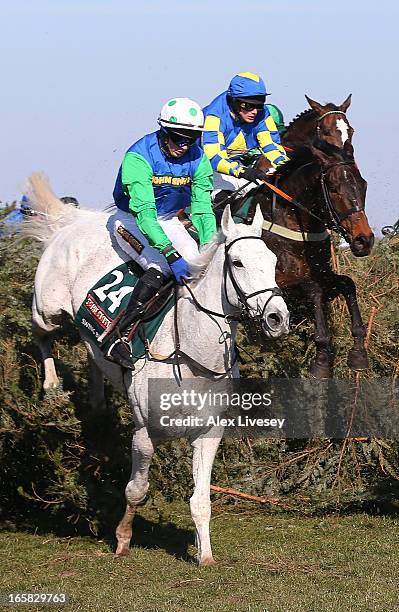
(358,360)
(320,371)
(123,551)
(207,562)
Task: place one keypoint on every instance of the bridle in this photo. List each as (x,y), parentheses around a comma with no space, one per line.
(331,112)
(336,217)
(243,298)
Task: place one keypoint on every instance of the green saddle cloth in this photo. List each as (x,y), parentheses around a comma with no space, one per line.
(242,213)
(108,298)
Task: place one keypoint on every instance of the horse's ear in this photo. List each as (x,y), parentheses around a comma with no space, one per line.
(227,220)
(257,223)
(319,108)
(346,104)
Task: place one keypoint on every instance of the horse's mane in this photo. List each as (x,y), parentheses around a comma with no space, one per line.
(199,265)
(309,114)
(306,115)
(298,158)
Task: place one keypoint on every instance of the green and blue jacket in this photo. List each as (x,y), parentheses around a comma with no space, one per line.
(150,184)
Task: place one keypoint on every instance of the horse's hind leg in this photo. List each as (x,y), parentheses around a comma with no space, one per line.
(200,503)
(45,342)
(136,489)
(43,335)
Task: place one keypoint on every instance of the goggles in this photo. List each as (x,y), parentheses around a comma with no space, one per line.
(249,106)
(182,137)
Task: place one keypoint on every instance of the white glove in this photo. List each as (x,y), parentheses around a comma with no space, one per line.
(271,171)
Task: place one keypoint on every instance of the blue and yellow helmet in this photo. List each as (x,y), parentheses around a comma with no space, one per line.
(247,85)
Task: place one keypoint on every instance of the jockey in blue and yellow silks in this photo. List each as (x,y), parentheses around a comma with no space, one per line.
(236,122)
(161,173)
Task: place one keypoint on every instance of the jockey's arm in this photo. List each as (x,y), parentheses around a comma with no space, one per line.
(202,214)
(215,148)
(269,141)
(137,182)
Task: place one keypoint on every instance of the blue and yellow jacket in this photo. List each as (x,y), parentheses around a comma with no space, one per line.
(227,138)
(151,184)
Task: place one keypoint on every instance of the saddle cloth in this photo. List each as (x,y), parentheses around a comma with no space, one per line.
(109,297)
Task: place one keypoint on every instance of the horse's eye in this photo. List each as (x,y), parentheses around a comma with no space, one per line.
(237,263)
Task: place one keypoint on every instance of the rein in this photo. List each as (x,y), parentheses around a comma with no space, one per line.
(335,217)
(243,316)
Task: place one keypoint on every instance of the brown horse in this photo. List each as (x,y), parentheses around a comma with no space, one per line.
(324,178)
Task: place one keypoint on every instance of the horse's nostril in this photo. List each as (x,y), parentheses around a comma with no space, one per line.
(274,320)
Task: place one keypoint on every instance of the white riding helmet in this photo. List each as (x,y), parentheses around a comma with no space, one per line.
(183,114)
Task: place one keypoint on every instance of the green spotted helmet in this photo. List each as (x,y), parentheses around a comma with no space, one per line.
(182,114)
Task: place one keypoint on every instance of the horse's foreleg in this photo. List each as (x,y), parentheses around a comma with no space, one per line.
(136,489)
(200,503)
(357,357)
(320,364)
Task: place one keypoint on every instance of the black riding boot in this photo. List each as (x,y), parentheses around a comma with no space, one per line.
(146,287)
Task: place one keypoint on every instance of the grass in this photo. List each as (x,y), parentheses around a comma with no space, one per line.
(266,562)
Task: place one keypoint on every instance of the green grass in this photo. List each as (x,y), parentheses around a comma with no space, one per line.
(266,562)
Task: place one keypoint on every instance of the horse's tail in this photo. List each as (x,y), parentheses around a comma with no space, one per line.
(49,213)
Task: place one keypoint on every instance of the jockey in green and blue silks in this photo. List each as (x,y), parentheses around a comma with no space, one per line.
(236,122)
(167,171)
(161,174)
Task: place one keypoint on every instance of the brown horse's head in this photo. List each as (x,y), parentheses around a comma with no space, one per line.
(344,192)
(332,125)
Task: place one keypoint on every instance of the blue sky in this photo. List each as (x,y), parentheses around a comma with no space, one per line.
(82,80)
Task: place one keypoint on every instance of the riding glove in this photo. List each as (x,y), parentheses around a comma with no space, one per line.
(180,270)
(252,174)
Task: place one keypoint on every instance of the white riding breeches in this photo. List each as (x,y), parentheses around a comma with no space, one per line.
(150,257)
(229,183)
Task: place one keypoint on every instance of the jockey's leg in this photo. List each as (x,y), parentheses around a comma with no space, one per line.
(145,288)
(156,269)
(227,183)
(180,238)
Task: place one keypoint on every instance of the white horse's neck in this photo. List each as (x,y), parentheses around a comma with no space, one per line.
(207,339)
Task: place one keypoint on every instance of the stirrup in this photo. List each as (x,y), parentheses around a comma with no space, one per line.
(119,353)
(124,326)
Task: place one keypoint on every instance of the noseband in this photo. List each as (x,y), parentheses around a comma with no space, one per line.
(245,314)
(336,217)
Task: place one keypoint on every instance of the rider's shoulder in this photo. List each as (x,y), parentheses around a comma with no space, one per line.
(218,106)
(145,143)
